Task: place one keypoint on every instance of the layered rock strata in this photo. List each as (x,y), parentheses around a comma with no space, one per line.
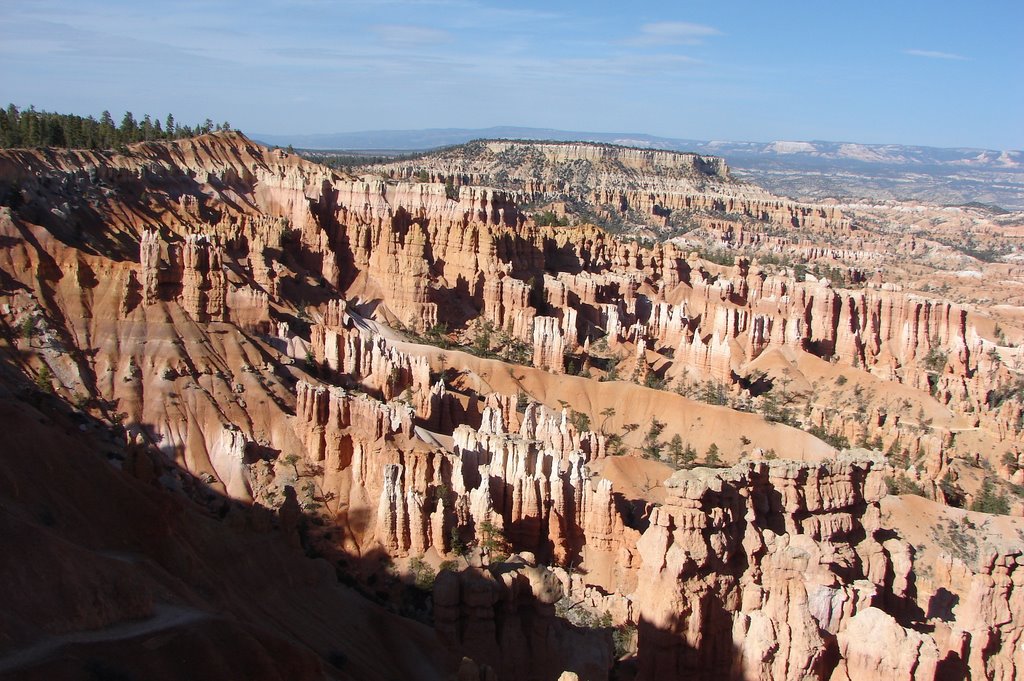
(252,319)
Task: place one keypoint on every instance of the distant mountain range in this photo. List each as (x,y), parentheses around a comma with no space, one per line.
(422,140)
(805,170)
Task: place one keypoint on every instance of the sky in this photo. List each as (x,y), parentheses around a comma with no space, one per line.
(937,73)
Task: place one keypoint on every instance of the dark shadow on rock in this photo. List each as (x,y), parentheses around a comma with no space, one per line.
(259,602)
(941,604)
(951,668)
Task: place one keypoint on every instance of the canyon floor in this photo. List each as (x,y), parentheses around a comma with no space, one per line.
(509,410)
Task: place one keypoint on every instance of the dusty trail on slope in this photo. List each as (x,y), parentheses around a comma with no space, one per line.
(166,617)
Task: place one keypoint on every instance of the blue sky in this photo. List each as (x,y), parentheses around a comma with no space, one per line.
(936,73)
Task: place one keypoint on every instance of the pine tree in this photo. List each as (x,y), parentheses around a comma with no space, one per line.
(28,127)
(128,129)
(107,131)
(9,136)
(128,122)
(651,447)
(681,455)
(32,128)
(989,500)
(90,133)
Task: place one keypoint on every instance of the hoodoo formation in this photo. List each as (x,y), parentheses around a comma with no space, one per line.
(266,419)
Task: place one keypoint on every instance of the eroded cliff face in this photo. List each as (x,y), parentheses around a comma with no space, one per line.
(783,571)
(299,340)
(644,184)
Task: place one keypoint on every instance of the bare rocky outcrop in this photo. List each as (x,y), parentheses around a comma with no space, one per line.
(342,347)
(192,273)
(651,183)
(548,344)
(530,485)
(763,569)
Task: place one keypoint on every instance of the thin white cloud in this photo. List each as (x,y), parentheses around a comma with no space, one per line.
(469,11)
(532,72)
(673,33)
(934,54)
(403,34)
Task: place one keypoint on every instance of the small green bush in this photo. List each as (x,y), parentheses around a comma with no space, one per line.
(423,574)
(458,546)
(623,639)
(988,500)
(44,379)
(901,484)
(651,447)
(712,457)
(833,439)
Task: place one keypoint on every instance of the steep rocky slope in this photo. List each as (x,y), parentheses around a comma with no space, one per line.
(383,371)
(110,571)
(805,170)
(780,300)
(695,200)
